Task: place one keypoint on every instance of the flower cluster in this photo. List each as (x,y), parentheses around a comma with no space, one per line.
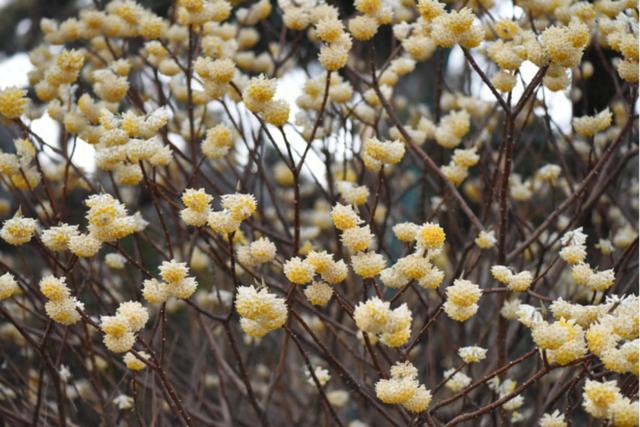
(217,142)
(8,286)
(458,169)
(260,311)
(419,265)
(574,252)
(235,209)
(61,307)
(108,222)
(486,239)
(403,388)
(456,381)
(19,168)
(134,361)
(462,298)
(328,28)
(258,97)
(588,126)
(119,330)
(358,239)
(604,400)
(613,335)
(125,143)
(377,153)
(391,327)
(456,27)
(347,161)
(256,253)
(472,354)
(302,271)
(18,230)
(321,374)
(197,208)
(13,102)
(507,388)
(176,283)
(563,339)
(372,14)
(519,282)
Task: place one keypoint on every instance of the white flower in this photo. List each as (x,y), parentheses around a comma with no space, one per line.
(574,237)
(472,353)
(555,419)
(64,373)
(457,382)
(122,401)
(322,375)
(528,315)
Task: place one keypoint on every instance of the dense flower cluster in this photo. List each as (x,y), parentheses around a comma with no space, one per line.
(18,230)
(61,307)
(253,208)
(462,298)
(120,329)
(176,283)
(403,388)
(391,327)
(260,311)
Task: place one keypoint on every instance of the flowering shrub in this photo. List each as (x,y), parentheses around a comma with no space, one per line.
(351,258)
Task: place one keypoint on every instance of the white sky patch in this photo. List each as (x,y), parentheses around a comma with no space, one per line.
(290,87)
(14,69)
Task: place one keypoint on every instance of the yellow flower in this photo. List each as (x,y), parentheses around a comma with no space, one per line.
(116,326)
(357,239)
(396,390)
(329,30)
(54,289)
(368,264)
(372,316)
(135,314)
(276,112)
(389,152)
(430,236)
(240,206)
(298,271)
(132,362)
(258,92)
(598,396)
(369,7)
(13,102)
(8,286)
(463,293)
(198,200)
(63,311)
(507,29)
(318,293)
(363,27)
(333,57)
(18,230)
(430,9)
(262,250)
(260,311)
(218,142)
(57,238)
(173,271)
